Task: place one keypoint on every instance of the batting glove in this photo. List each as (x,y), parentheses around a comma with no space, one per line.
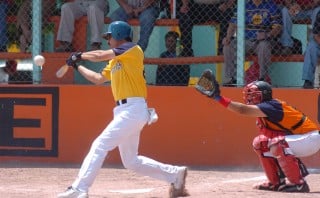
(76,56)
(73,59)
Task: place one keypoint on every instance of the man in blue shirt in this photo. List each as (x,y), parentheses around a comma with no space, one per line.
(177,75)
(262,25)
(311,55)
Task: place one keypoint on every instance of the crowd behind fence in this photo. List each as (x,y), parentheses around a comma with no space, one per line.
(240,41)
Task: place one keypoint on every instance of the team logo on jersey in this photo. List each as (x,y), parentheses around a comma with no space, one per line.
(257,19)
(116,67)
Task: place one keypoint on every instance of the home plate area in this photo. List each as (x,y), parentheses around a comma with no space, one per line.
(47,180)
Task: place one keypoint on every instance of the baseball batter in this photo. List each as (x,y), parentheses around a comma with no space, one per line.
(125,70)
(285,135)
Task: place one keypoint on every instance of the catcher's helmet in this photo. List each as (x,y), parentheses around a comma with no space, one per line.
(257,92)
(118,30)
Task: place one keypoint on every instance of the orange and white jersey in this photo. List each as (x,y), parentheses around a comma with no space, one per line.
(284,117)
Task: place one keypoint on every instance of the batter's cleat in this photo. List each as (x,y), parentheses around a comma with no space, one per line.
(178,188)
(269,186)
(300,188)
(73,193)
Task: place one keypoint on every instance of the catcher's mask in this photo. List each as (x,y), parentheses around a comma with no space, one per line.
(257,92)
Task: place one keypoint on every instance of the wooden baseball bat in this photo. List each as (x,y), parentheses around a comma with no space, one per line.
(62,71)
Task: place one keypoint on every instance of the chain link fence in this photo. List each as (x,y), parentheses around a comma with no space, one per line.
(187,38)
(16,37)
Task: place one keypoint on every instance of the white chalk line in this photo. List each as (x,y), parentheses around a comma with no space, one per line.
(311,170)
(245,179)
(132,191)
(146,190)
(121,191)
(22,189)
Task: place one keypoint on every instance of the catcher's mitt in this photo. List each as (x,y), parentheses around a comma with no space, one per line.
(207,84)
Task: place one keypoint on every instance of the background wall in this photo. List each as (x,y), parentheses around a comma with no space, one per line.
(191,130)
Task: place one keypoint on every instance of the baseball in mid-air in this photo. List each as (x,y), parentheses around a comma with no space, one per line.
(39,60)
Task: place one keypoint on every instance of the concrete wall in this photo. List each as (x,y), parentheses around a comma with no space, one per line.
(59,122)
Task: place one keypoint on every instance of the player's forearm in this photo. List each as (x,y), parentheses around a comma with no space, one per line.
(98,55)
(240,108)
(90,75)
(247,110)
(237,107)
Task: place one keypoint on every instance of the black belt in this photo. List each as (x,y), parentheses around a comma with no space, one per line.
(120,102)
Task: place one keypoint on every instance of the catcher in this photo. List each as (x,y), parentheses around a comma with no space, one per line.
(285,133)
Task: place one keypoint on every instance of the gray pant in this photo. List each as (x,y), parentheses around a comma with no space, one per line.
(24,20)
(96,10)
(261,48)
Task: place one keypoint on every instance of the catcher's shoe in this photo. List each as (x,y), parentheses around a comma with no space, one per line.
(73,193)
(302,188)
(178,188)
(269,186)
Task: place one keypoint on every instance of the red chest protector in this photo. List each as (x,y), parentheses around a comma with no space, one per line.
(261,124)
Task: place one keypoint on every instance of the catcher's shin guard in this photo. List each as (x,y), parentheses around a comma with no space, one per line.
(270,165)
(287,161)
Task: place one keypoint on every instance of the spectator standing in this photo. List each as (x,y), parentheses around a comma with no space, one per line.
(311,56)
(95,10)
(191,12)
(24,20)
(147,11)
(293,10)
(262,25)
(172,74)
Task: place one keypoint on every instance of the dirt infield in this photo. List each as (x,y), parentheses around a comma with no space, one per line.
(46,180)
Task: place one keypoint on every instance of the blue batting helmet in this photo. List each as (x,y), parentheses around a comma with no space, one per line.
(118,30)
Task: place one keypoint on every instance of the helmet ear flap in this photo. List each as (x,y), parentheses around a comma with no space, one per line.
(265,89)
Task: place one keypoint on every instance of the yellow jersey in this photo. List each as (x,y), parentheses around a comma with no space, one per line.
(126,72)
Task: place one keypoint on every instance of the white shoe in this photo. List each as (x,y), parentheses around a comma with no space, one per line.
(73,193)
(177,188)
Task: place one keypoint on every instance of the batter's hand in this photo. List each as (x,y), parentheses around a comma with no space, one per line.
(73,59)
(76,56)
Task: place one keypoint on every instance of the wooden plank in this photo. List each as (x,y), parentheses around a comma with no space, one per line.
(20,55)
(215,59)
(135,22)
(14,55)
(159,61)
